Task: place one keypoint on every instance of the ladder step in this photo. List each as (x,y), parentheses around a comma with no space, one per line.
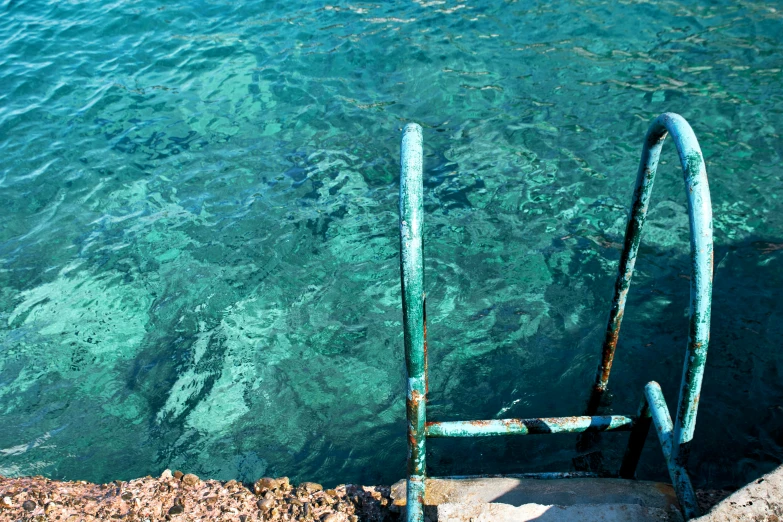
(495,427)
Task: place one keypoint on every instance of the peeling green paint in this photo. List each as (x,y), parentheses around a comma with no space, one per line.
(484,428)
(675,437)
(412,279)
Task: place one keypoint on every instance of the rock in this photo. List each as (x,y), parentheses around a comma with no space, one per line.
(6,502)
(127,496)
(265,504)
(760,500)
(353,518)
(49,507)
(28,505)
(331,492)
(166,474)
(264,484)
(311,487)
(267,483)
(331,517)
(176,509)
(178,474)
(242,518)
(398,492)
(306,509)
(190,479)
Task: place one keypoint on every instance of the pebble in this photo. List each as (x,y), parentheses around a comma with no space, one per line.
(190,479)
(331,517)
(6,502)
(176,509)
(49,507)
(166,474)
(178,474)
(28,505)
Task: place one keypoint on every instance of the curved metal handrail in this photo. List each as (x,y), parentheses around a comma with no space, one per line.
(700,216)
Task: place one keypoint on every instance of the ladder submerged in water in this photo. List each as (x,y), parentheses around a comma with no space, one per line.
(675,437)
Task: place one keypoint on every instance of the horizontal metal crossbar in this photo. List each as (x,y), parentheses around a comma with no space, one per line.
(545,475)
(495,427)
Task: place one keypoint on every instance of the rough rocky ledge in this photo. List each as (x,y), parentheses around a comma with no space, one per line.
(186,497)
(759,501)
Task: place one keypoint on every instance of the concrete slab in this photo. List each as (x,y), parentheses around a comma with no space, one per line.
(509,499)
(539,513)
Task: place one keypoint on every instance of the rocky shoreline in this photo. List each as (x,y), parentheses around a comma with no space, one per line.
(178,496)
(185,497)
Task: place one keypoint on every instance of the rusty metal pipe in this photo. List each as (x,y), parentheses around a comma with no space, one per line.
(700,217)
(413,316)
(667,436)
(636,442)
(495,427)
(545,475)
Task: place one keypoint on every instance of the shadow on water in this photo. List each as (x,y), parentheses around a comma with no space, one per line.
(739,432)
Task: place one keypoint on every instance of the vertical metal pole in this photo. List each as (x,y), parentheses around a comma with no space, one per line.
(700,217)
(633,235)
(414,326)
(636,442)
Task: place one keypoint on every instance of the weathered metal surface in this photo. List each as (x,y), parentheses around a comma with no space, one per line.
(412,277)
(636,442)
(545,475)
(484,428)
(700,217)
(667,436)
(674,438)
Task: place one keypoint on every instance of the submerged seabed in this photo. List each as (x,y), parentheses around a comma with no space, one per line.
(198,243)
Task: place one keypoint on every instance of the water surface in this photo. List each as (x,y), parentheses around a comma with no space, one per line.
(199,250)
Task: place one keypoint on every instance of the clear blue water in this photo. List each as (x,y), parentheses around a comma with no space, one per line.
(199,251)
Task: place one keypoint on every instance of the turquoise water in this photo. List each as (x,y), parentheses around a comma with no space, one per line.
(199,250)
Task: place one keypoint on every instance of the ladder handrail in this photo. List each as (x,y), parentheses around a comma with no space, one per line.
(413,314)
(700,218)
(674,437)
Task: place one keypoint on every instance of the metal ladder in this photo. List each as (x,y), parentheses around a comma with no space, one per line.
(675,438)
